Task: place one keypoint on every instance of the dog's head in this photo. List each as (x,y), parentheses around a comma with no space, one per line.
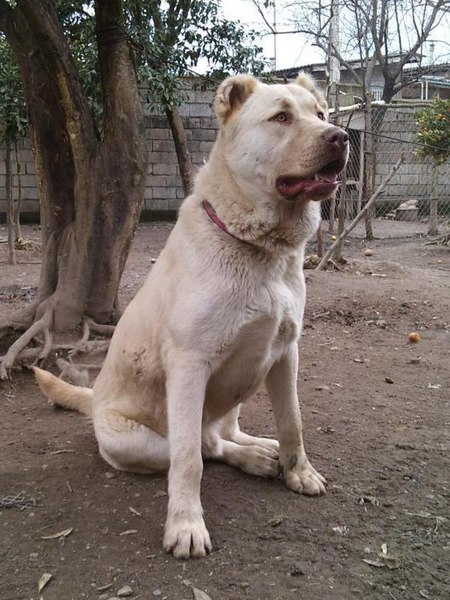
(276,137)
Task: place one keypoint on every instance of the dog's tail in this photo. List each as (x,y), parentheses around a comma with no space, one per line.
(64,394)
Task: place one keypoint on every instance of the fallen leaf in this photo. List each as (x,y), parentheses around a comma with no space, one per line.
(134,511)
(125,592)
(60,534)
(369,500)
(159,494)
(340,529)
(373,563)
(275,521)
(391,561)
(43,580)
(199,595)
(384,559)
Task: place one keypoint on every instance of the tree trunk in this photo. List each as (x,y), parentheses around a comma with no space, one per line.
(18,203)
(342,209)
(9,203)
(369,159)
(332,216)
(319,238)
(91,186)
(181,147)
(433,220)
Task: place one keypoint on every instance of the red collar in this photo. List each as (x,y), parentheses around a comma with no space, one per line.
(215,219)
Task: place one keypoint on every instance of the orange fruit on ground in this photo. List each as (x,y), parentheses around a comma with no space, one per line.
(414,337)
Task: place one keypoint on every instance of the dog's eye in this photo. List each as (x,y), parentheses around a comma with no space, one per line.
(281,117)
(321,116)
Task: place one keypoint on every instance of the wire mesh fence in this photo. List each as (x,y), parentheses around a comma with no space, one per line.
(418,189)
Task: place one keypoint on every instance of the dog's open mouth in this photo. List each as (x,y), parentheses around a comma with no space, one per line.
(320,185)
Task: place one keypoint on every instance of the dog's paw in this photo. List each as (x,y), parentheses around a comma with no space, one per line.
(186,537)
(256,460)
(304,479)
(260,461)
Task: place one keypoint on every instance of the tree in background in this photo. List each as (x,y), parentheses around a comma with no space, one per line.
(13,127)
(173,37)
(433,124)
(387,33)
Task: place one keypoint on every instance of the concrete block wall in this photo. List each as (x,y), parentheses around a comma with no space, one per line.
(164,191)
(413,179)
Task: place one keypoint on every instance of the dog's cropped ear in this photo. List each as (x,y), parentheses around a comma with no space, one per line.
(232,94)
(306,81)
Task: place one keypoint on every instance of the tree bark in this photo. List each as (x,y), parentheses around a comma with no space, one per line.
(433,228)
(9,203)
(181,147)
(18,203)
(342,208)
(91,184)
(369,159)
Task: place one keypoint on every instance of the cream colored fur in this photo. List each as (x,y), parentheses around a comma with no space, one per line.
(218,316)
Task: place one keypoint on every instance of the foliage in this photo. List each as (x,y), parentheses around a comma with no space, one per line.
(174,39)
(13,118)
(433,123)
(170,38)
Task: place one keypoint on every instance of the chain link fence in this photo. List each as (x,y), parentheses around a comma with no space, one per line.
(405,206)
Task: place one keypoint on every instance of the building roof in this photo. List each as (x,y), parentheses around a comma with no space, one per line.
(292,72)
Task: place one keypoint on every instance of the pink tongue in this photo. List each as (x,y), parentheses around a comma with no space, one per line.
(307,186)
(296,188)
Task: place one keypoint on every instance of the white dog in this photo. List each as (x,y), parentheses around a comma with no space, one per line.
(221,311)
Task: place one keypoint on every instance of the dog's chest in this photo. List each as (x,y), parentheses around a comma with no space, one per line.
(272,322)
(287,313)
(274,319)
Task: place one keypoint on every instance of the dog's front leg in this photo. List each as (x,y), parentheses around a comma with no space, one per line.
(185,532)
(281,382)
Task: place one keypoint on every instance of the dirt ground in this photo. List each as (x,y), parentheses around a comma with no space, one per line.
(376,419)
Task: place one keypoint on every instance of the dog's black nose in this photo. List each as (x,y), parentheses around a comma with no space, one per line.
(336,136)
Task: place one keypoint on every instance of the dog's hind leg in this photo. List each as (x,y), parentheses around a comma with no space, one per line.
(232,432)
(130,446)
(255,459)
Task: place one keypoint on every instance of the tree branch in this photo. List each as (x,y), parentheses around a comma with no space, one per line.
(121,100)
(263,17)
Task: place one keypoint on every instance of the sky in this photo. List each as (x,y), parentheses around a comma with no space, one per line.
(294,50)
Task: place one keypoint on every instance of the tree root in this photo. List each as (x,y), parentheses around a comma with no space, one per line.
(27,245)
(39,326)
(442,240)
(19,321)
(41,331)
